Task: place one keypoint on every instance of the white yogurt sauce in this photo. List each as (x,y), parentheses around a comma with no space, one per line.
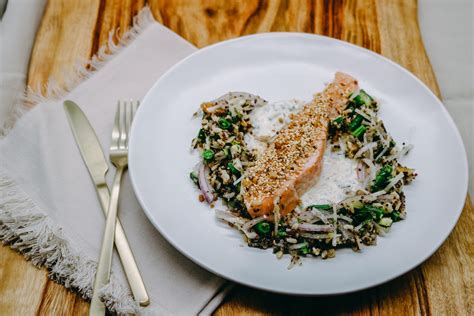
(269,119)
(338,174)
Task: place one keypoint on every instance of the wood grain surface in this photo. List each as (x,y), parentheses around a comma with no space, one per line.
(71,30)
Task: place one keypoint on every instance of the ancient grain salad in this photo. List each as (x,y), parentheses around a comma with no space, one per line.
(302,178)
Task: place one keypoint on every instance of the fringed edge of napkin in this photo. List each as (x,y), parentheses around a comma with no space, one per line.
(83,70)
(28,230)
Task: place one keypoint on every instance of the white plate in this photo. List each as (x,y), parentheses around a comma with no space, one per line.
(280,66)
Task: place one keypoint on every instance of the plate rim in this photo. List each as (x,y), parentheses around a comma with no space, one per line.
(415,264)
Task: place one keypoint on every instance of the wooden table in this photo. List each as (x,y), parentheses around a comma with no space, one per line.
(73,29)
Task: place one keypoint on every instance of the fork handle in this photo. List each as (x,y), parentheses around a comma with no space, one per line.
(102,275)
(125,253)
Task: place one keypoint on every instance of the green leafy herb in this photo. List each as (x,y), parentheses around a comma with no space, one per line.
(281,233)
(382,178)
(304,250)
(395,215)
(368,212)
(233,169)
(236,118)
(201,135)
(193,175)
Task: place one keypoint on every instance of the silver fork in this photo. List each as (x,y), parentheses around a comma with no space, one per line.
(119,157)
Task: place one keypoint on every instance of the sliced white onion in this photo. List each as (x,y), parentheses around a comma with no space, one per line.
(229,217)
(364,148)
(237,222)
(351,199)
(320,215)
(354,94)
(346,218)
(394,181)
(315,236)
(372,169)
(213,108)
(363,114)
(315,228)
(357,228)
(203,185)
(253,222)
(360,171)
(384,150)
(298,246)
(371,153)
(306,216)
(381,230)
(404,151)
(238,180)
(370,112)
(334,237)
(346,233)
(378,193)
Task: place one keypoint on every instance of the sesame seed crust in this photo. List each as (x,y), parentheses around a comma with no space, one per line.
(286,157)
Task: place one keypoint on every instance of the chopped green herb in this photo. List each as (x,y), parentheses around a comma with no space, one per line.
(359,131)
(395,215)
(208,155)
(193,175)
(321,206)
(304,250)
(236,118)
(338,120)
(281,233)
(363,99)
(382,178)
(233,169)
(201,135)
(263,228)
(368,212)
(224,124)
(355,123)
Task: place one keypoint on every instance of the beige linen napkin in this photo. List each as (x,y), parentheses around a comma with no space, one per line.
(48,207)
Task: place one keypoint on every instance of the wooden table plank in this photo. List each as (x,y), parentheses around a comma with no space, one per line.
(71,30)
(21,286)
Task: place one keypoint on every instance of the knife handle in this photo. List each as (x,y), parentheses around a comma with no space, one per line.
(125,253)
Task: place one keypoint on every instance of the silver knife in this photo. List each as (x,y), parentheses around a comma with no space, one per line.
(94,158)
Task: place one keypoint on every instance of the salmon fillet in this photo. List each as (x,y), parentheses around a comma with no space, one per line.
(292,163)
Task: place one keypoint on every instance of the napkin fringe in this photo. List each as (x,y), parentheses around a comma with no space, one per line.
(26,229)
(83,69)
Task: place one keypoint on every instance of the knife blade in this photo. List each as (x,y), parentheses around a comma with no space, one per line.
(86,140)
(94,159)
